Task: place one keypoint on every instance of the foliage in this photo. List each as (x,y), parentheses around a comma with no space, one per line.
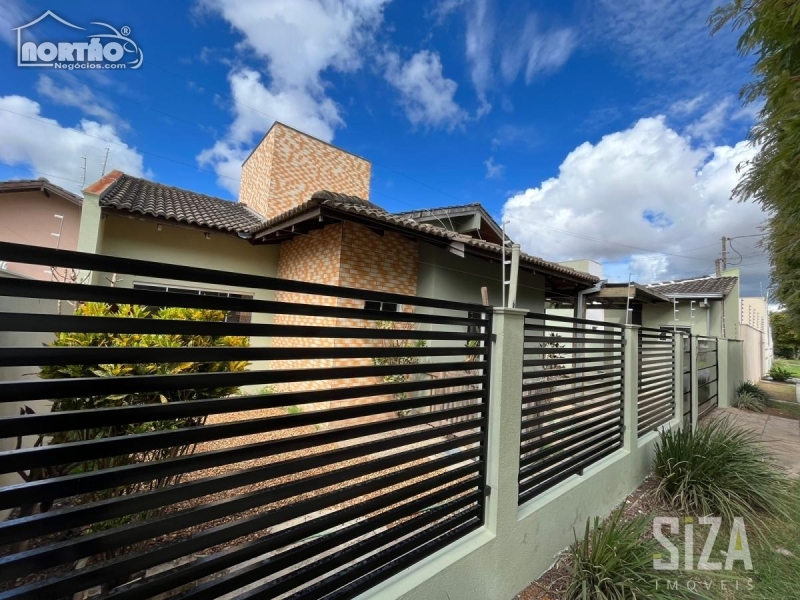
(116,340)
(770,32)
(779,373)
(718,470)
(785,335)
(392,361)
(751,388)
(615,562)
(748,401)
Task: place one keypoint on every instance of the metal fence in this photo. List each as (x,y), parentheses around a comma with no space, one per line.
(572,398)
(707,375)
(147,476)
(687,379)
(656,403)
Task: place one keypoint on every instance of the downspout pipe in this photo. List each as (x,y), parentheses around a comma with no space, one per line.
(580,302)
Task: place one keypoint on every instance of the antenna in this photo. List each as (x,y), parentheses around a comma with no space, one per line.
(83,176)
(105,161)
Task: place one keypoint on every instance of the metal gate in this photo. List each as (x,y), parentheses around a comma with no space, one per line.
(707,375)
(687,379)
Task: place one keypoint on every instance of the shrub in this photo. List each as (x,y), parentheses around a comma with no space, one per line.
(718,470)
(749,401)
(396,361)
(752,389)
(779,373)
(615,562)
(114,340)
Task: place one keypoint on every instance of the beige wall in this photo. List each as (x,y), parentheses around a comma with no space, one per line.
(753,353)
(288,166)
(28,218)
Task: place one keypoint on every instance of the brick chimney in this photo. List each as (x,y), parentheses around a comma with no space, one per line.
(288,166)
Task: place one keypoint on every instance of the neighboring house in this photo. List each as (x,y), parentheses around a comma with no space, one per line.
(39,213)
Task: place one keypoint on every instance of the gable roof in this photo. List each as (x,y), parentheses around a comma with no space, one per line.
(701,287)
(136,195)
(39,185)
(354,208)
(444,213)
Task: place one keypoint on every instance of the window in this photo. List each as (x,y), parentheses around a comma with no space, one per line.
(233,316)
(381,306)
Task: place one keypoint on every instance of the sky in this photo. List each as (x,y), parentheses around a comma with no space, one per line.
(603,129)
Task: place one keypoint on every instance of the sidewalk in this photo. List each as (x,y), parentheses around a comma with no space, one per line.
(780,436)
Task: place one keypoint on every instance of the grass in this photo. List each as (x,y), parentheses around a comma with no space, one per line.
(786,410)
(793,366)
(774,574)
(294,410)
(718,470)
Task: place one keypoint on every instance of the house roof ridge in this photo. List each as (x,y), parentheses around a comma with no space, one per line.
(23,185)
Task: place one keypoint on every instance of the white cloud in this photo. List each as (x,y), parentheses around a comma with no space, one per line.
(14,14)
(426,94)
(298,41)
(536,52)
(712,122)
(645,188)
(479,49)
(493,169)
(46,148)
(77,95)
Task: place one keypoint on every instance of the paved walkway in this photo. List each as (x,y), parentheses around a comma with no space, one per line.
(780,436)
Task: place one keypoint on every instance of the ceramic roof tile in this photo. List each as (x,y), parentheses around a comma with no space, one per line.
(704,285)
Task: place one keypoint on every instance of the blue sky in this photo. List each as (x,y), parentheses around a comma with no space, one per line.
(608,129)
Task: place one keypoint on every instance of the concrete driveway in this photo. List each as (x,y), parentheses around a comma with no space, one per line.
(780,436)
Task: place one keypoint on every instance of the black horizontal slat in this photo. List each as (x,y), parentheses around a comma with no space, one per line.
(110,264)
(553,460)
(100,386)
(571,443)
(61,487)
(540,362)
(649,383)
(528,387)
(546,317)
(568,423)
(384,564)
(606,342)
(612,368)
(655,392)
(68,518)
(647,410)
(121,415)
(655,366)
(611,351)
(88,545)
(300,553)
(28,288)
(350,555)
(561,414)
(529,492)
(44,355)
(61,454)
(116,325)
(532,410)
(656,398)
(569,391)
(541,442)
(659,412)
(555,466)
(655,421)
(655,357)
(550,328)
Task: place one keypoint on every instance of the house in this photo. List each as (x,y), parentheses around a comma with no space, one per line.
(304,214)
(40,213)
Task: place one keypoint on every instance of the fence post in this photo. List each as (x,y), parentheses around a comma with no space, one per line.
(677,341)
(723,374)
(505,417)
(630,402)
(695,381)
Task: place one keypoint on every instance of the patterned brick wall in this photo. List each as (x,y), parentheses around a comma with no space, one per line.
(347,255)
(288,166)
